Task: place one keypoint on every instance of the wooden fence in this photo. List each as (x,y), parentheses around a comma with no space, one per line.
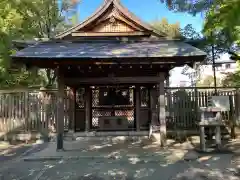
(183,104)
(32,110)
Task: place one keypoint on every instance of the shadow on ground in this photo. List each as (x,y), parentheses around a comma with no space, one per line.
(129,160)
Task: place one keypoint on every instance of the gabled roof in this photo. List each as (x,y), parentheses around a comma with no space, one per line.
(124,12)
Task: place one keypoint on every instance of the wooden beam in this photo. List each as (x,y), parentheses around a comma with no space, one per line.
(115,80)
(97,34)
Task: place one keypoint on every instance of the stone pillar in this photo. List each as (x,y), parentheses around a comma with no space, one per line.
(60,109)
(153,105)
(138,106)
(88,110)
(154,117)
(162,110)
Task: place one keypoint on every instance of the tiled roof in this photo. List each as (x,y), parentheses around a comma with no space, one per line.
(109,50)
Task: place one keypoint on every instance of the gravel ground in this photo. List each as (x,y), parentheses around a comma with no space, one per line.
(164,166)
(13,152)
(109,169)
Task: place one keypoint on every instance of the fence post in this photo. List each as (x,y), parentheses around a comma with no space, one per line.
(237,108)
(26,105)
(196,104)
(231,118)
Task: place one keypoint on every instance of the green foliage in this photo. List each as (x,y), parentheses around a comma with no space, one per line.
(190,6)
(223,18)
(234,56)
(171,30)
(190,33)
(232,80)
(208,81)
(24,20)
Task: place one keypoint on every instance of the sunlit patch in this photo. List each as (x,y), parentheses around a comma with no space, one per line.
(10,154)
(32,171)
(144,172)
(121,51)
(204,158)
(49,166)
(216,158)
(134,160)
(95,147)
(116,173)
(61,162)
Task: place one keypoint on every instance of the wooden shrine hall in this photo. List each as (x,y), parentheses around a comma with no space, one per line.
(116,64)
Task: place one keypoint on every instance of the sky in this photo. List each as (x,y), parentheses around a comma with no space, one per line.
(147,10)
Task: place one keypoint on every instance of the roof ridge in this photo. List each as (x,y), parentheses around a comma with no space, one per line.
(101,8)
(125,11)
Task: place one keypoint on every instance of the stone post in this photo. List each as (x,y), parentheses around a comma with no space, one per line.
(162,110)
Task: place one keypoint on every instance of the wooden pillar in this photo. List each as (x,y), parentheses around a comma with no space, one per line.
(162,111)
(60,110)
(72,99)
(88,110)
(138,106)
(74,110)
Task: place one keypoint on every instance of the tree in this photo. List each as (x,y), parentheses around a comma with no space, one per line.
(24,19)
(11,22)
(222,21)
(46,21)
(171,30)
(208,81)
(188,32)
(225,23)
(232,79)
(234,56)
(191,6)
